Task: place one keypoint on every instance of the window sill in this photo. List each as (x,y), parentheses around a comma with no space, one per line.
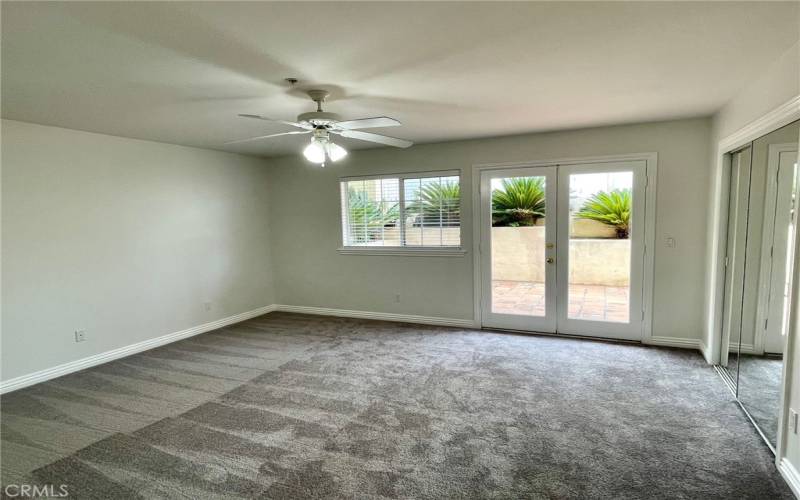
(404,251)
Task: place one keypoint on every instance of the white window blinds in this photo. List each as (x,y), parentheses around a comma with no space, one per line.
(411,210)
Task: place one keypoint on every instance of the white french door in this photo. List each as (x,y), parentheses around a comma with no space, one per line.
(562,248)
(518,249)
(602,274)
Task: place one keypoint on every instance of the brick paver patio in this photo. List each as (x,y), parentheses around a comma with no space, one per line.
(588,302)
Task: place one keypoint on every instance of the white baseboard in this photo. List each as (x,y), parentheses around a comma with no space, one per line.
(705,352)
(673,342)
(402,318)
(743,349)
(104,357)
(746,349)
(791,476)
(460,323)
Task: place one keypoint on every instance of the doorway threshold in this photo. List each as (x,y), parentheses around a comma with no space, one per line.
(562,335)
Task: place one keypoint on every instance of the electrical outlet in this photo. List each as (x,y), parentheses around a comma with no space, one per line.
(80,335)
(207,306)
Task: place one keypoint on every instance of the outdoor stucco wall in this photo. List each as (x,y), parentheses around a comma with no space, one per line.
(518,255)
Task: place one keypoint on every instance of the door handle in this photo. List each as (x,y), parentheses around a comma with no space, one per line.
(550,260)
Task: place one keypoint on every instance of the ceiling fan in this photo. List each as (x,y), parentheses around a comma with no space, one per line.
(321,125)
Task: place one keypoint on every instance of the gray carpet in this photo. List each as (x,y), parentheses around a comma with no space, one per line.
(760,391)
(295,406)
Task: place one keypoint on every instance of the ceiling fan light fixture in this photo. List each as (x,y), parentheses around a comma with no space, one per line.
(335,151)
(315,152)
(323,124)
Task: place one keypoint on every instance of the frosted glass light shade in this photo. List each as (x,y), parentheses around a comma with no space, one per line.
(335,151)
(315,152)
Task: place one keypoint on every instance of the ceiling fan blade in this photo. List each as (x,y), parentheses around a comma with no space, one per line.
(267,136)
(378,121)
(380,139)
(268,119)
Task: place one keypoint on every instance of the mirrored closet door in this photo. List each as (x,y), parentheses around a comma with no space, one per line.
(762,215)
(738,199)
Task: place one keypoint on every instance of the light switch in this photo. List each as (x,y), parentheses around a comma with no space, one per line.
(670,242)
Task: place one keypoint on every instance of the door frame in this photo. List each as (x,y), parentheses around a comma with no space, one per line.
(648,271)
(768,236)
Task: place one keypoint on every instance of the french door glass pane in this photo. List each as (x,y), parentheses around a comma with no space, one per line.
(518,245)
(600,246)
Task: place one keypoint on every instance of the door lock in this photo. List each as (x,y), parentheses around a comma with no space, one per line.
(550,260)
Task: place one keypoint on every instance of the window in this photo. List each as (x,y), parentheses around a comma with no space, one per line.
(411,211)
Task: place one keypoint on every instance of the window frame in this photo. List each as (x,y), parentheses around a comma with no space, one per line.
(403,250)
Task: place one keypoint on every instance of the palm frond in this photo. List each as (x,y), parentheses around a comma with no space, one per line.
(367,217)
(520,201)
(438,204)
(612,208)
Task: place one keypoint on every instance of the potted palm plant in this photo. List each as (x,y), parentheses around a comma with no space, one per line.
(611,208)
(520,201)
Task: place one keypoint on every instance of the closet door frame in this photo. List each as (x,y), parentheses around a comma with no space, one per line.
(780,116)
(718,233)
(738,204)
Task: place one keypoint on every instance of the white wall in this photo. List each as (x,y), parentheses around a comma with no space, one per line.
(128,239)
(768,90)
(123,238)
(306,229)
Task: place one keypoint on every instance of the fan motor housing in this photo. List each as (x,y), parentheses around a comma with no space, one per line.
(319,118)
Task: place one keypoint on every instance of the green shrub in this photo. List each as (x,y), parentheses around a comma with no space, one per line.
(367,217)
(438,204)
(519,202)
(611,208)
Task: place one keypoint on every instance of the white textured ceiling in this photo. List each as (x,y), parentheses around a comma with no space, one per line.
(180,72)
